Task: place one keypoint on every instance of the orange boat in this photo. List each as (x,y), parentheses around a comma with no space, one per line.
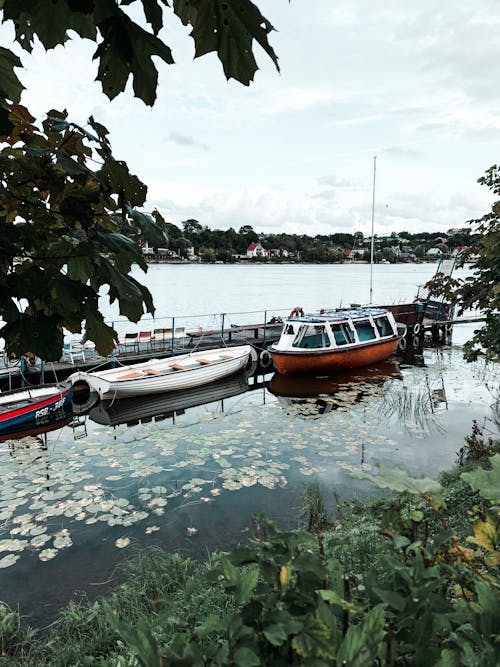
(335,340)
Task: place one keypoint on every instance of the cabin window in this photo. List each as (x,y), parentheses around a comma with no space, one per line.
(384,326)
(289,329)
(365,330)
(311,337)
(342,333)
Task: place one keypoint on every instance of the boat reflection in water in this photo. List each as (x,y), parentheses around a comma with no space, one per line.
(135,410)
(314,395)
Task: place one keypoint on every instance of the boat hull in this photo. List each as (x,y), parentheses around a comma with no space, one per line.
(313,361)
(39,407)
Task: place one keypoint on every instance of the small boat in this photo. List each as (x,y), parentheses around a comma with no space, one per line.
(31,407)
(335,340)
(160,375)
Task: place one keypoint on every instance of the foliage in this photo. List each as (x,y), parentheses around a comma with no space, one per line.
(476,447)
(61,241)
(66,228)
(481,290)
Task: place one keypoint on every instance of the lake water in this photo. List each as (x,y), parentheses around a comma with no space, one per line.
(188,471)
(193,293)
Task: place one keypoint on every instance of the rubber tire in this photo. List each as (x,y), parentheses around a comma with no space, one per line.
(417,328)
(402,344)
(415,341)
(265,359)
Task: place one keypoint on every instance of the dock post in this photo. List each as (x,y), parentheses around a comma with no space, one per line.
(265,327)
(222,327)
(172,342)
(42,372)
(22,366)
(113,357)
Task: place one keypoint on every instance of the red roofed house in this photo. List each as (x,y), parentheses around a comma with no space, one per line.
(256,250)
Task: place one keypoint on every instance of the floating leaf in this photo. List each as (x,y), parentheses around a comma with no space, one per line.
(122,542)
(9,560)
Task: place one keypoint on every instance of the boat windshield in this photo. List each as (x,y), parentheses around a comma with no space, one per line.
(384,326)
(311,336)
(365,330)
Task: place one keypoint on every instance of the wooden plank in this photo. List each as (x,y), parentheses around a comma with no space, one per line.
(129,376)
(178,367)
(205,361)
(226,356)
(152,371)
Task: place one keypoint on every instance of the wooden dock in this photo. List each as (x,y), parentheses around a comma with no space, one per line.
(35,371)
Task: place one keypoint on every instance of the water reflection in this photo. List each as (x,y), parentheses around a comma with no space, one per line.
(313,395)
(132,411)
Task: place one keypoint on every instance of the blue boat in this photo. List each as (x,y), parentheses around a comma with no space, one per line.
(31,408)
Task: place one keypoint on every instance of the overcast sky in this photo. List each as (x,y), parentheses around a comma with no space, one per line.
(414,83)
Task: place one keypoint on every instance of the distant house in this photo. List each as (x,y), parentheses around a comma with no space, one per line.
(256,250)
(434,252)
(274,252)
(148,251)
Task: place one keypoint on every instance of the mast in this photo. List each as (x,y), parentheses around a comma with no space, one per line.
(373,225)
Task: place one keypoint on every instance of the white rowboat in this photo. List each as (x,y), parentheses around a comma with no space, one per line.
(161,375)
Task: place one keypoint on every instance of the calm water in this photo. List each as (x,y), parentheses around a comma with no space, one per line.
(191,477)
(194,292)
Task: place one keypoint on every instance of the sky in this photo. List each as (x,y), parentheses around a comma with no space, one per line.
(414,84)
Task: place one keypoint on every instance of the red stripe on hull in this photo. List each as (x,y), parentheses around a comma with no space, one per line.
(333,360)
(32,407)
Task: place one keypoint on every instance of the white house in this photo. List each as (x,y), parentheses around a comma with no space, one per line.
(256,250)
(434,252)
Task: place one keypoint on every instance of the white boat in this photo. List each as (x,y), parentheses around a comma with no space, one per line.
(161,375)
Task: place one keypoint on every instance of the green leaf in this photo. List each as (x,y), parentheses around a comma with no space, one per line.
(334,598)
(487,482)
(128,49)
(10,86)
(363,642)
(229,29)
(245,657)
(148,228)
(137,637)
(309,562)
(314,641)
(275,634)
(399,480)
(154,14)
(391,598)
(246,585)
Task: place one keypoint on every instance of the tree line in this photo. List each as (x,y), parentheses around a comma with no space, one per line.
(193,240)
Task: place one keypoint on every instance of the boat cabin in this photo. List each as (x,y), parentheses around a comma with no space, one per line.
(337,329)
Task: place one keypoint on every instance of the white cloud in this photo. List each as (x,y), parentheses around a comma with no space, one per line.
(413,84)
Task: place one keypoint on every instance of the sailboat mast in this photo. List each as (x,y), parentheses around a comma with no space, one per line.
(373,226)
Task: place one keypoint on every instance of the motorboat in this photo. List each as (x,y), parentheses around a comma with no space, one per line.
(160,375)
(30,407)
(335,340)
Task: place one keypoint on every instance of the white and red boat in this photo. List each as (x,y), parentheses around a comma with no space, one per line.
(336,340)
(27,409)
